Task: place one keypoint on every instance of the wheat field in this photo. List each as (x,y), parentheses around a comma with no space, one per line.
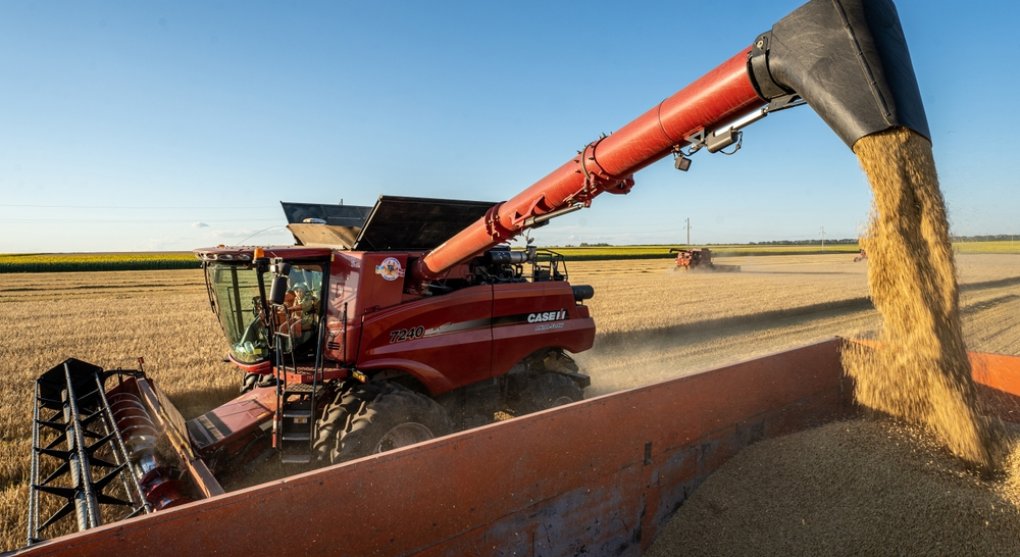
(654,323)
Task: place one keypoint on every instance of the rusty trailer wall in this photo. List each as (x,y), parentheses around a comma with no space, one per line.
(599,476)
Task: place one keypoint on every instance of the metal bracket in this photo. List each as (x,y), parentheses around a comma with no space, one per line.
(782,103)
(695,142)
(731,134)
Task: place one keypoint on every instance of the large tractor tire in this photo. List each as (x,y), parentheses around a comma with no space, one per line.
(531,392)
(377,417)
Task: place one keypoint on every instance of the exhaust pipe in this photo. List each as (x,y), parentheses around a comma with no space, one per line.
(848,59)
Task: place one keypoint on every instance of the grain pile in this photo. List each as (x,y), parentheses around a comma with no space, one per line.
(862,487)
(922,373)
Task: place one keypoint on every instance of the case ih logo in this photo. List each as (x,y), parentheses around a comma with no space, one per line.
(544,316)
(390,269)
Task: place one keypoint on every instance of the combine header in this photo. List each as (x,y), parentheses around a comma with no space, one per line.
(395,324)
(98,442)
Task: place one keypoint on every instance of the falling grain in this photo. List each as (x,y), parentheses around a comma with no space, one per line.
(922,373)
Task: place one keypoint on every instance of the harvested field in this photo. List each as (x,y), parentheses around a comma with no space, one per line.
(647,295)
(108,318)
(655,323)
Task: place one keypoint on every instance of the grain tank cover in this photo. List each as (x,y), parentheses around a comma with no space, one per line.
(416,223)
(314,224)
(334,215)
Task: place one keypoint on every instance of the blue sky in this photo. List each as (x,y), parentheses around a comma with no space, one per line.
(176,125)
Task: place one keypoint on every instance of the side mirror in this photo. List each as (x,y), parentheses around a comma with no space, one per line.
(278,292)
(280,271)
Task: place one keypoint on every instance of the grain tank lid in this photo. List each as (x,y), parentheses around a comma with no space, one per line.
(416,223)
(333,215)
(315,224)
(324,235)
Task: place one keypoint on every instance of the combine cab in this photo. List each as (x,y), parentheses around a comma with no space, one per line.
(699,259)
(391,325)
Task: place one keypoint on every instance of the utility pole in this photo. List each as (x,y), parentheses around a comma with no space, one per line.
(823,237)
(687,221)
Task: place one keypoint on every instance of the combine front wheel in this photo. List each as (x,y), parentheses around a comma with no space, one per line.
(378,417)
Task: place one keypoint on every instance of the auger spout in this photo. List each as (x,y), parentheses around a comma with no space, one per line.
(849,60)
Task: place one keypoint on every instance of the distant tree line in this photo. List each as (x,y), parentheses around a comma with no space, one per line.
(986,238)
(815,242)
(810,242)
(803,242)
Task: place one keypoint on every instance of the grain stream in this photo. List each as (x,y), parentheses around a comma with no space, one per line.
(921,374)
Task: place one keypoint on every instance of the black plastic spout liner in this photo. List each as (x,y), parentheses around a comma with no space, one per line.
(848,60)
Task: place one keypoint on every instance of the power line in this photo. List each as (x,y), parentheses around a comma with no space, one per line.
(128,207)
(100,220)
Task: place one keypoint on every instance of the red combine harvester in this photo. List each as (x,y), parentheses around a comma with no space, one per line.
(699,259)
(364,354)
(392,325)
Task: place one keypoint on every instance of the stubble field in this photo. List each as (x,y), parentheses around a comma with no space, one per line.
(654,324)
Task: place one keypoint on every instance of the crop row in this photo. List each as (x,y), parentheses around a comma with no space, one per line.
(66,262)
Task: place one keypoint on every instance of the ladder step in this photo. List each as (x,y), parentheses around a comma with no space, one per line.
(296,436)
(288,458)
(298,388)
(296,413)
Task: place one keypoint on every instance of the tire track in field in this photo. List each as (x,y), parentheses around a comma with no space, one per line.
(724,325)
(618,339)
